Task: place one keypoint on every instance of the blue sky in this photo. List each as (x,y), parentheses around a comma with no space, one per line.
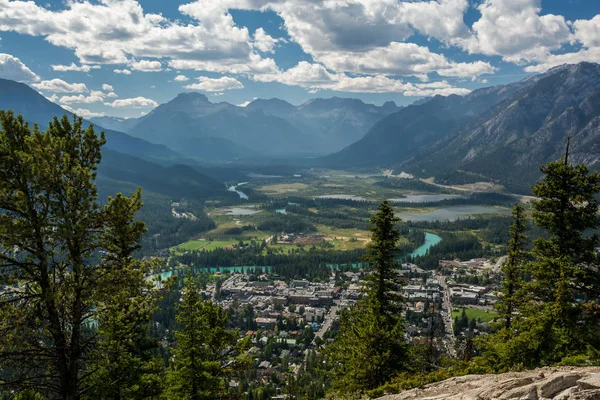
(123,57)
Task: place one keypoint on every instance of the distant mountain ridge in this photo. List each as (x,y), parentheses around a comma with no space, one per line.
(193,125)
(500,133)
(126,161)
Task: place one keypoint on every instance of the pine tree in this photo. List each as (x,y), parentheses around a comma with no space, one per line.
(564,267)
(513,269)
(53,235)
(125,363)
(370,347)
(382,283)
(206,353)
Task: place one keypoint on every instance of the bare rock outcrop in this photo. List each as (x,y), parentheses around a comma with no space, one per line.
(560,383)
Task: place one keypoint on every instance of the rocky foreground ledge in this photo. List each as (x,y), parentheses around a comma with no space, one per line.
(561,383)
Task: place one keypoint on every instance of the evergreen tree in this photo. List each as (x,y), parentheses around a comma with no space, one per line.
(54,255)
(564,270)
(370,347)
(125,365)
(513,268)
(206,354)
(382,283)
(558,312)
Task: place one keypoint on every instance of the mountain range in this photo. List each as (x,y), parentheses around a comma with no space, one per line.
(198,128)
(126,161)
(500,133)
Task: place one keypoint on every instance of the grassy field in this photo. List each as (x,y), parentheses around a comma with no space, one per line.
(196,244)
(476,313)
(283,188)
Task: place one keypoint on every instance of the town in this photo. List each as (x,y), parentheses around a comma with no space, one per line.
(290,321)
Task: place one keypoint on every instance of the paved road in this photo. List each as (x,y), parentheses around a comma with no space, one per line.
(328,322)
(449,339)
(498,265)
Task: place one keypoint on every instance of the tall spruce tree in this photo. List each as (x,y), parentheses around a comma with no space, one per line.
(54,255)
(513,269)
(206,353)
(565,268)
(125,365)
(558,311)
(370,347)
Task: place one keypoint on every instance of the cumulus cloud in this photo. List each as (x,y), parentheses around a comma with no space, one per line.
(215,84)
(111,32)
(112,95)
(515,30)
(402,59)
(107,88)
(137,102)
(12,68)
(146,66)
(181,78)
(60,86)
(94,97)
(74,67)
(316,77)
(83,112)
(122,71)
(264,42)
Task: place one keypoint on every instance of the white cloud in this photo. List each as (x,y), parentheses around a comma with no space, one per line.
(75,67)
(112,95)
(12,68)
(107,88)
(215,84)
(137,102)
(146,66)
(122,71)
(253,64)
(244,104)
(94,97)
(181,78)
(83,112)
(316,77)
(60,86)
(112,32)
(403,59)
(515,30)
(53,98)
(264,42)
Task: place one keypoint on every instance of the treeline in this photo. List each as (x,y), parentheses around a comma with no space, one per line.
(298,264)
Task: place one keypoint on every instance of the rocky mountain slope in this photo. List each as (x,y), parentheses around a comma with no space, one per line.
(562,383)
(399,136)
(527,129)
(500,133)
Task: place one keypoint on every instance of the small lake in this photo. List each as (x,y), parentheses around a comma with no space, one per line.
(281,211)
(341,196)
(237,211)
(239,192)
(452,213)
(425,198)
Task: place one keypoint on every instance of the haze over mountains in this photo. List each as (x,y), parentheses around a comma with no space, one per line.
(128,162)
(194,126)
(500,133)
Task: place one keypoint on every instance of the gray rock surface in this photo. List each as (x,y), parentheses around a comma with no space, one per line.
(559,383)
